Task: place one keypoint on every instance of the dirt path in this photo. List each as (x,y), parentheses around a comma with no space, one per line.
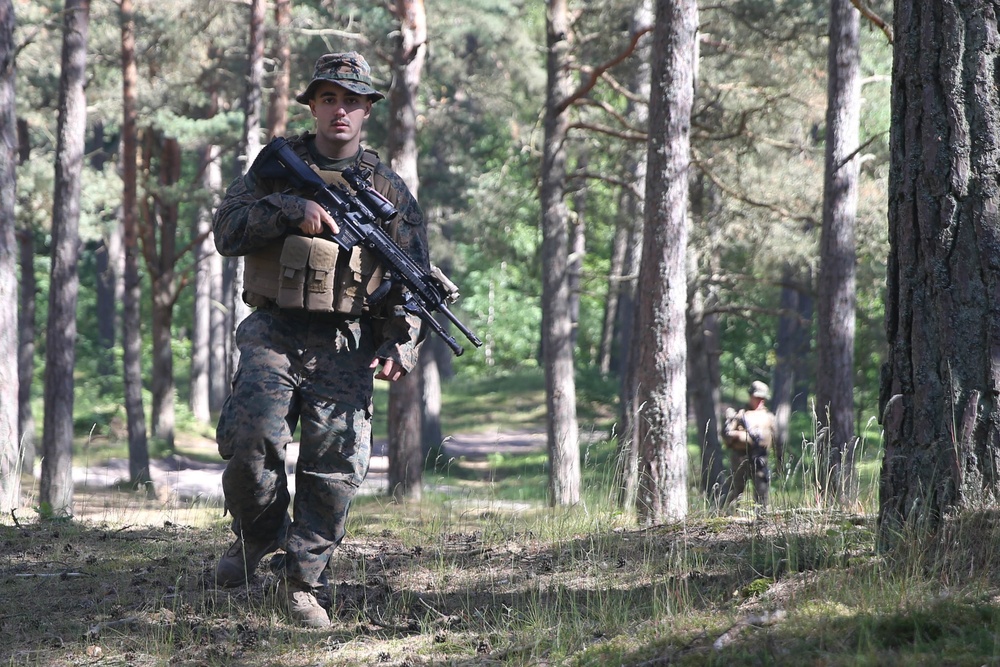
(187,479)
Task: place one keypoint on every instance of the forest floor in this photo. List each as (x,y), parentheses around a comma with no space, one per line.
(471,577)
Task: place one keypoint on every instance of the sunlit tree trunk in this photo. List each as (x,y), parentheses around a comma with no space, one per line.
(835,336)
(432,353)
(660,374)
(277,113)
(201,318)
(56,488)
(138,443)
(219,323)
(10,477)
(406,403)
(557,346)
(940,383)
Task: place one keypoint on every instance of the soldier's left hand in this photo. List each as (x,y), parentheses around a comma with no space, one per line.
(390,370)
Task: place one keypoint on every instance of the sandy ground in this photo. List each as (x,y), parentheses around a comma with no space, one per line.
(188,479)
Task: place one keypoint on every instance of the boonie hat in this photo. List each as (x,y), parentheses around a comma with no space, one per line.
(760,390)
(349,70)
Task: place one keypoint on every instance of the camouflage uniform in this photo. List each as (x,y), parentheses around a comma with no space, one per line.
(749,434)
(305,369)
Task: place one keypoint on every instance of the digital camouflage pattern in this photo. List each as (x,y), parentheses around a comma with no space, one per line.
(349,70)
(306,369)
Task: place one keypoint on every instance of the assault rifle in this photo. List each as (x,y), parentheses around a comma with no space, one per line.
(359,215)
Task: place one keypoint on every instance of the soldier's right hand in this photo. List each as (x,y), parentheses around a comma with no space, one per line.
(315,218)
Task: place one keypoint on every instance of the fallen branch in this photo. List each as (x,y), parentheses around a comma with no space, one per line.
(758,620)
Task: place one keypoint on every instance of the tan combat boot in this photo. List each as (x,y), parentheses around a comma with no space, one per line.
(301,605)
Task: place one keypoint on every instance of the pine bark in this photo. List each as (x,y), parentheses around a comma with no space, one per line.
(160,248)
(56,487)
(28,305)
(201,318)
(835,337)
(661,373)
(406,402)
(938,395)
(557,349)
(138,443)
(10,470)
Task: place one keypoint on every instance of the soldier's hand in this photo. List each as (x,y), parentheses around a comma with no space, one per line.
(390,370)
(315,219)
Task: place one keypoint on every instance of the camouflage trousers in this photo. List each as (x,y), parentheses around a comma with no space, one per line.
(753,464)
(310,371)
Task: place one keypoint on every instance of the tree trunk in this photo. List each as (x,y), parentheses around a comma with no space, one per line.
(802,344)
(106,306)
(938,395)
(138,444)
(161,222)
(201,329)
(704,372)
(218,311)
(251,143)
(56,488)
(661,420)
(406,457)
(557,349)
(835,339)
(26,350)
(255,79)
(434,355)
(406,403)
(277,113)
(220,336)
(785,359)
(10,470)
(577,250)
(627,470)
(703,391)
(616,278)
(27,437)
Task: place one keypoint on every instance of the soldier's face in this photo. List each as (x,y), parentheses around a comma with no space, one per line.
(340,116)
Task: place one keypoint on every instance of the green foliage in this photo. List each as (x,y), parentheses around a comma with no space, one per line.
(757,148)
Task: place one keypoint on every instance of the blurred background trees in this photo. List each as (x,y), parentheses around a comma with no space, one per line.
(758,132)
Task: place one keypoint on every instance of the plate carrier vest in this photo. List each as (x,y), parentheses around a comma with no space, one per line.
(314,274)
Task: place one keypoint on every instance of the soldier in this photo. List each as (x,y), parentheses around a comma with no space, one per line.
(310,349)
(748,434)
